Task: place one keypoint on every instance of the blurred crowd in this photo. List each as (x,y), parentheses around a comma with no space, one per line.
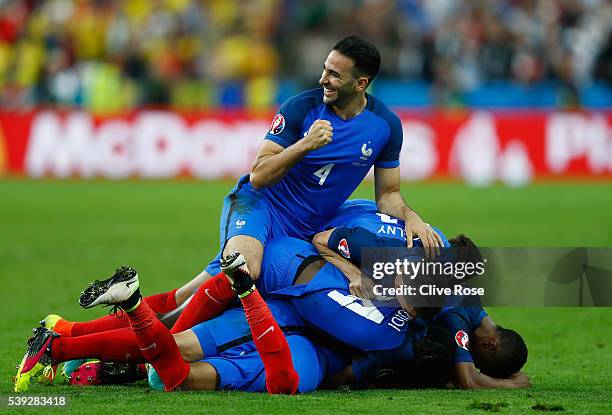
(115,55)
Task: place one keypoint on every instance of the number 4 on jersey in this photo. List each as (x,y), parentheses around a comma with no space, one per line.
(323,172)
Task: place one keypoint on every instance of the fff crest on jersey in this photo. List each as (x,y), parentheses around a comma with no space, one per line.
(344,249)
(365,151)
(463,340)
(278,124)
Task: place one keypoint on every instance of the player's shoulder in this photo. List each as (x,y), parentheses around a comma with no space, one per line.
(302,103)
(471,315)
(379,108)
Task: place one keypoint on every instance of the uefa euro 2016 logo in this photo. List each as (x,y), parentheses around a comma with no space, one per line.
(463,340)
(278,124)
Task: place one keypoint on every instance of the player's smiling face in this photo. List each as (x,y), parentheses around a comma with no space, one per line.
(337,79)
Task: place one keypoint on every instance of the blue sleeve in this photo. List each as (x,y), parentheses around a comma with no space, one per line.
(286,127)
(349,242)
(367,368)
(389,156)
(461,322)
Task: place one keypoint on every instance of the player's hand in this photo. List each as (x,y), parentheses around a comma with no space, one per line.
(319,134)
(361,287)
(520,380)
(432,242)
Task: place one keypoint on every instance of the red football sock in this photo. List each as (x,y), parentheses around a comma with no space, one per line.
(99,325)
(272,346)
(162,303)
(208,301)
(64,327)
(158,346)
(111,346)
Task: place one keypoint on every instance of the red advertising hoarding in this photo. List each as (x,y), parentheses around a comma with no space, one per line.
(478,147)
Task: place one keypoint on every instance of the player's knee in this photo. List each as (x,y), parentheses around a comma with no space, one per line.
(254,270)
(189,346)
(250,248)
(282,382)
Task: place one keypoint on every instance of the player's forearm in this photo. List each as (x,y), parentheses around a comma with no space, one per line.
(486,382)
(478,384)
(393,204)
(270,169)
(473,379)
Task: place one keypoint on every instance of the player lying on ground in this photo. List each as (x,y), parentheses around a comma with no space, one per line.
(499,353)
(225,356)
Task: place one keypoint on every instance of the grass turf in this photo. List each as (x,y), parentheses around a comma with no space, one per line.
(55,237)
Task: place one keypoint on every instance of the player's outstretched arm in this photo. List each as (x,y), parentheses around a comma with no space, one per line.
(468,377)
(273,161)
(390,201)
(358,286)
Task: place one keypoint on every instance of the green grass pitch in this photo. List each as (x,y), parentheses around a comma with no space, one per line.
(55,237)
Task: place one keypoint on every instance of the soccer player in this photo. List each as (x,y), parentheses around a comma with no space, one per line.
(486,354)
(320,146)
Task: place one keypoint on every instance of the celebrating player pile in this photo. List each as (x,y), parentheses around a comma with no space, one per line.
(311,331)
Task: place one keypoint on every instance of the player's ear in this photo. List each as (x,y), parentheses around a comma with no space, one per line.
(362,83)
(491,344)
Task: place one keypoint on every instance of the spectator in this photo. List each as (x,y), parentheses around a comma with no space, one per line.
(115,55)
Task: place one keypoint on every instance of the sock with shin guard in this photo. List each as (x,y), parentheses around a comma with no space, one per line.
(162,303)
(208,301)
(117,345)
(156,342)
(281,377)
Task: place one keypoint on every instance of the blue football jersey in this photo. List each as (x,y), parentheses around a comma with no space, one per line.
(327,305)
(311,192)
(461,321)
(370,230)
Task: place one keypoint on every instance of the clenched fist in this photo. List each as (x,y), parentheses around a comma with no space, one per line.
(319,134)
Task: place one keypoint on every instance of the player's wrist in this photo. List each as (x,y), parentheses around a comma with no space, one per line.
(303,145)
(410,215)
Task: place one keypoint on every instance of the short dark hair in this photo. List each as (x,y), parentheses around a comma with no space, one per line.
(465,249)
(364,54)
(509,357)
